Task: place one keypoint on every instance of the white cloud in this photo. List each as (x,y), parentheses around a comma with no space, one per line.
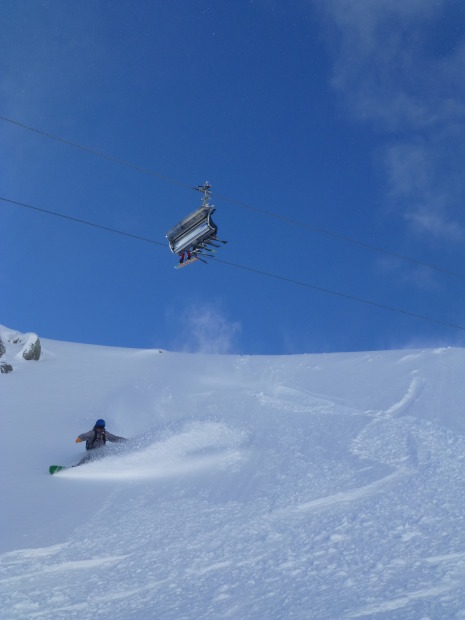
(436,226)
(379,59)
(420,187)
(399,66)
(418,276)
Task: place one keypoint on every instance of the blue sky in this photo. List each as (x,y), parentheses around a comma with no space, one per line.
(317,124)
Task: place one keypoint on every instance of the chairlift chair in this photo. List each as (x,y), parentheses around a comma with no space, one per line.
(197,231)
(193,231)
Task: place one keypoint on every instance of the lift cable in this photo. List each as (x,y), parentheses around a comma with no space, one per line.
(259,272)
(339,294)
(341,237)
(239,203)
(87,149)
(80,221)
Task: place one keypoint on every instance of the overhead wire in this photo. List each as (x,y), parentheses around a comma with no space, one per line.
(101,154)
(340,294)
(260,272)
(283,218)
(80,221)
(341,237)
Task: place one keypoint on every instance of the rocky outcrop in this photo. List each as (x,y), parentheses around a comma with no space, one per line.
(32,348)
(16,346)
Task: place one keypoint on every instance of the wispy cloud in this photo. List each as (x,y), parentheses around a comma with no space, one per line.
(426,194)
(418,276)
(400,67)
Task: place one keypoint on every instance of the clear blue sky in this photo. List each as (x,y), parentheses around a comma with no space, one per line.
(347,117)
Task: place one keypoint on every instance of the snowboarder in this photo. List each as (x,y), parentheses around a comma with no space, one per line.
(97,438)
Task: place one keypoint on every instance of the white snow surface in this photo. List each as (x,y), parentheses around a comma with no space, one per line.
(306,486)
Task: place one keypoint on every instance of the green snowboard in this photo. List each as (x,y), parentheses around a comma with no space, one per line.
(54,468)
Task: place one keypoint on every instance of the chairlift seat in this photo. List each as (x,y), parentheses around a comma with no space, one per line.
(193,230)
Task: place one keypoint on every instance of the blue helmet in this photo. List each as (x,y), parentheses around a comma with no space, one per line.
(100,424)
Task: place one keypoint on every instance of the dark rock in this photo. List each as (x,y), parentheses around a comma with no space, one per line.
(32,350)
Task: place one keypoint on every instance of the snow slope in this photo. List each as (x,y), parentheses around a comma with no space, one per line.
(309,486)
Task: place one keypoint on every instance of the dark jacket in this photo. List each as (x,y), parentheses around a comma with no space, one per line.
(96,438)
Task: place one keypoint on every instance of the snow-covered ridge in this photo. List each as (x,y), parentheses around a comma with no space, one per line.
(307,486)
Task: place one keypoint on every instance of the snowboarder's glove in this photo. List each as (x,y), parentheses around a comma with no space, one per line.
(78,440)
